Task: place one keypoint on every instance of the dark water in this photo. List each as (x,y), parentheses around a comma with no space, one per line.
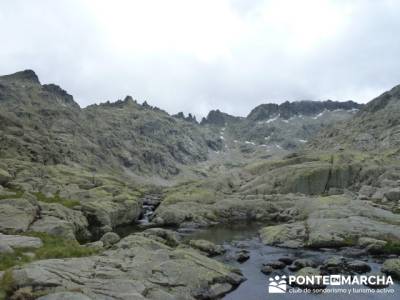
(244,236)
(236,237)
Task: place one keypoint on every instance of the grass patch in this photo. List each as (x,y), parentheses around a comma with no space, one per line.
(6,285)
(263,166)
(53,247)
(349,241)
(56,199)
(56,247)
(8,260)
(189,193)
(392,248)
(17,193)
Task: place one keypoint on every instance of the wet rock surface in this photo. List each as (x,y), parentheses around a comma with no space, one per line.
(242,256)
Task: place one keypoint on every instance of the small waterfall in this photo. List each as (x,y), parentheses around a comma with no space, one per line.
(147,212)
(150,203)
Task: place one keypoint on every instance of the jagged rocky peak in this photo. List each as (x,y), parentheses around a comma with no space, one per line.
(60,94)
(389,98)
(305,107)
(128,101)
(145,106)
(26,76)
(190,118)
(218,118)
(25,87)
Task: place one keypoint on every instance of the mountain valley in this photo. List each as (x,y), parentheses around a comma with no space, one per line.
(311,175)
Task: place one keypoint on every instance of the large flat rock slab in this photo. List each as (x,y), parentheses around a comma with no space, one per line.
(139,265)
(334,221)
(19,241)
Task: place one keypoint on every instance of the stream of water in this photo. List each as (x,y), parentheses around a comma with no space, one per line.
(243,236)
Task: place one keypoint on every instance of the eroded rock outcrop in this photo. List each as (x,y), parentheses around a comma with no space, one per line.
(335,221)
(17,214)
(138,267)
(56,219)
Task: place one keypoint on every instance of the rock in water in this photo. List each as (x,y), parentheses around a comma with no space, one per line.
(308,271)
(205,246)
(242,256)
(359,267)
(302,263)
(276,264)
(267,270)
(286,260)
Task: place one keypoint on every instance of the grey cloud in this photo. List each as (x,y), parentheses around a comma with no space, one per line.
(63,42)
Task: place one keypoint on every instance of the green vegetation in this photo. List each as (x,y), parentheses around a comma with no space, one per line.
(190,192)
(6,285)
(56,199)
(8,260)
(349,241)
(263,166)
(53,247)
(392,247)
(56,247)
(17,193)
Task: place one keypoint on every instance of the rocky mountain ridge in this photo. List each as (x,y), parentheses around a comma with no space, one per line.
(70,180)
(375,128)
(286,110)
(43,123)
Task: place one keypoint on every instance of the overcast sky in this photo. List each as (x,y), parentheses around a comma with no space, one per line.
(194,56)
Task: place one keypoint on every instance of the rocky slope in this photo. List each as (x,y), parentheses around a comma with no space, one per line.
(350,195)
(375,128)
(79,174)
(42,123)
(285,126)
